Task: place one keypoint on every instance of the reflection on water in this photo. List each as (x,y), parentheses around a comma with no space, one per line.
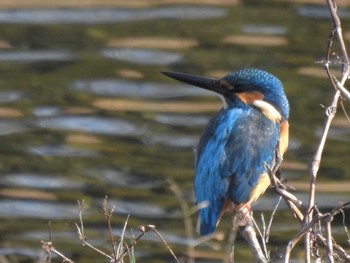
(20,251)
(37,209)
(139,209)
(335,133)
(320,12)
(97,16)
(122,179)
(142,56)
(46,111)
(128,88)
(264,29)
(9,127)
(181,120)
(325,201)
(9,96)
(40,181)
(170,238)
(108,123)
(36,56)
(90,125)
(186,141)
(60,150)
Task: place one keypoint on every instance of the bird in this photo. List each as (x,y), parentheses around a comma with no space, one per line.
(238,142)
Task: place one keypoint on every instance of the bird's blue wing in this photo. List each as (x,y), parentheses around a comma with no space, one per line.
(230,159)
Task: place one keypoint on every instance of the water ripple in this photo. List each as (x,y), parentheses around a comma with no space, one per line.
(60,150)
(36,56)
(98,16)
(185,141)
(314,11)
(122,179)
(168,236)
(89,124)
(8,127)
(128,88)
(19,251)
(142,56)
(181,119)
(141,209)
(46,111)
(37,209)
(264,29)
(40,181)
(9,96)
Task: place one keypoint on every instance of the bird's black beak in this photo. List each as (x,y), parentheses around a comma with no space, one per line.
(217,85)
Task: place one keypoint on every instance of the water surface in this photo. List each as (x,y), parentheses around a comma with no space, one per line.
(85,115)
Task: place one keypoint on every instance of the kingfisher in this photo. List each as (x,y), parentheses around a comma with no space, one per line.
(249,132)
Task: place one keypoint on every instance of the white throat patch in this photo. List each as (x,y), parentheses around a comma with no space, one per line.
(268,110)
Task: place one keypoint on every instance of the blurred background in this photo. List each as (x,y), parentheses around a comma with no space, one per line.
(85,113)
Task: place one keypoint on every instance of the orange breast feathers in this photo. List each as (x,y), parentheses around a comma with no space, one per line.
(284,137)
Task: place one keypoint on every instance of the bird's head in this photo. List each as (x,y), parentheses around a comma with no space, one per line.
(252,86)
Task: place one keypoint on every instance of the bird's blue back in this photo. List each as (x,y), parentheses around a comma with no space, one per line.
(230,158)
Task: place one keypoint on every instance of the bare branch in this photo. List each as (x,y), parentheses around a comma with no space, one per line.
(248,233)
(329,115)
(343,90)
(291,200)
(307,227)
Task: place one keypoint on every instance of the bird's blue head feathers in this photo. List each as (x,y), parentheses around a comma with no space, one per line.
(251,79)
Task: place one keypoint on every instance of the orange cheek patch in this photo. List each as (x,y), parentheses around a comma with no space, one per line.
(250,97)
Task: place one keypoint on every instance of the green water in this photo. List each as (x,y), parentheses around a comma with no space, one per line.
(58,145)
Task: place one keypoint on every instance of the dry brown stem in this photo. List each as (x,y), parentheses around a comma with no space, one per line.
(48,248)
(82,236)
(118,252)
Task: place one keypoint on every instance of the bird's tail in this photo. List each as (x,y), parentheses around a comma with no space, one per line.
(208,219)
(205,228)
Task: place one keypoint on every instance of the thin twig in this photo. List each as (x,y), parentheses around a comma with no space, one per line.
(108,214)
(144,230)
(248,233)
(268,229)
(345,227)
(166,244)
(306,228)
(344,111)
(330,113)
(329,241)
(121,243)
(343,90)
(262,235)
(48,248)
(291,200)
(82,236)
(186,216)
